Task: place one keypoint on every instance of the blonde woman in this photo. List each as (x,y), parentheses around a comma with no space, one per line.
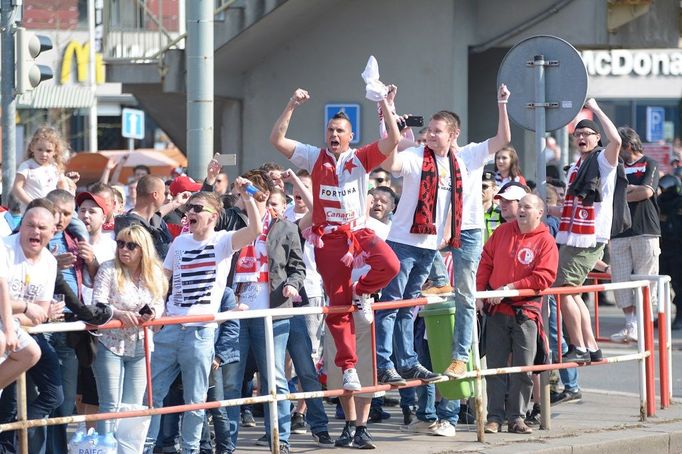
(135,286)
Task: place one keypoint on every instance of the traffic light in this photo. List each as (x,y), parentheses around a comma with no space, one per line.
(29,73)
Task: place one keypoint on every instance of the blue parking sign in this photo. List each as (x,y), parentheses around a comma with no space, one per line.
(655,120)
(353,113)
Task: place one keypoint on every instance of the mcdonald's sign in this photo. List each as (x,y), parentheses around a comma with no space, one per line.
(81,52)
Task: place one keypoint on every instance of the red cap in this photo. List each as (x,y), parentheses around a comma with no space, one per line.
(99,201)
(183,183)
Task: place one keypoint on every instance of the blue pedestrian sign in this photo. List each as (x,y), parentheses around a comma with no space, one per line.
(132,124)
(353,113)
(655,121)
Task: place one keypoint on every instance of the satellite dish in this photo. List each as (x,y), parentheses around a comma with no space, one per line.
(565,81)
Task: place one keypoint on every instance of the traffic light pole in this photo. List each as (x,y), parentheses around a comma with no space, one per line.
(9,105)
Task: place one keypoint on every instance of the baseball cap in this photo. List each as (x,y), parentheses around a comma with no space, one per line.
(488,176)
(512,191)
(99,201)
(586,123)
(183,183)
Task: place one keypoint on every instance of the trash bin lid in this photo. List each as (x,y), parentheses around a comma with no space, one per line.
(444,308)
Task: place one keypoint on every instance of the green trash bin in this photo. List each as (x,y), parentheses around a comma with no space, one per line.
(440,325)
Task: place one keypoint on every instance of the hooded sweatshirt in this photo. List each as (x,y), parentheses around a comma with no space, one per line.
(525,260)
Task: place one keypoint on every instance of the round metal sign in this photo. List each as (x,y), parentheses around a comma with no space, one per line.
(565,79)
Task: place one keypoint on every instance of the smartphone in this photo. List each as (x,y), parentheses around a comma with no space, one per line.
(414,120)
(146,310)
(226,159)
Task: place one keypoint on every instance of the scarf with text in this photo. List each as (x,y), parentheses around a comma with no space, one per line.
(427,200)
(578,220)
(252,264)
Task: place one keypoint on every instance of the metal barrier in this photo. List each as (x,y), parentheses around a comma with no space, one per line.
(645,356)
(664,303)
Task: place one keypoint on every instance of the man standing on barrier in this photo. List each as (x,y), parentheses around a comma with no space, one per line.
(585,226)
(521,254)
(198,265)
(340,184)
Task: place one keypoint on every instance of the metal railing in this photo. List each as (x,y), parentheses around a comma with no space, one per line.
(644,355)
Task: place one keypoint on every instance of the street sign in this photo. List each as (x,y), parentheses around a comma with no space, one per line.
(353,113)
(655,120)
(132,123)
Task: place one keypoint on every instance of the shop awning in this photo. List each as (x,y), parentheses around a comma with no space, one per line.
(56,96)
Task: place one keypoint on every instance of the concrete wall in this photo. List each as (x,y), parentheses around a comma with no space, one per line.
(416,46)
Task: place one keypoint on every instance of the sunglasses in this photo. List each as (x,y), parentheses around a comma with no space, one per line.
(127,244)
(198,208)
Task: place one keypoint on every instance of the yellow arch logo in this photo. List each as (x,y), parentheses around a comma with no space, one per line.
(82,54)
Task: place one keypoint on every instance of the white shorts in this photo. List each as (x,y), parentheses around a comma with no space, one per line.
(24,339)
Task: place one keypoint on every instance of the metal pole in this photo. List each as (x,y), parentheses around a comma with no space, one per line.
(92,79)
(478,386)
(131,145)
(668,328)
(199,53)
(22,412)
(545,403)
(650,360)
(565,145)
(540,128)
(641,349)
(9,106)
(272,384)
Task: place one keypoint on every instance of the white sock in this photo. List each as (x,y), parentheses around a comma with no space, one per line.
(631,318)
(581,349)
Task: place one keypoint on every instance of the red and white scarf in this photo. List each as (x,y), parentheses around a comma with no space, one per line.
(578,222)
(252,264)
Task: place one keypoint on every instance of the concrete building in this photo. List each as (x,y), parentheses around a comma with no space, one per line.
(443,54)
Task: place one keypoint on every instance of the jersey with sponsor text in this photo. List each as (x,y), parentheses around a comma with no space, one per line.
(644,213)
(339,185)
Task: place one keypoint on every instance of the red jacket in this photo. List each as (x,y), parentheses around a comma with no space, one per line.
(528,261)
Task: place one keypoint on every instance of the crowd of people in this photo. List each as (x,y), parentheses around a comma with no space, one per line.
(346,227)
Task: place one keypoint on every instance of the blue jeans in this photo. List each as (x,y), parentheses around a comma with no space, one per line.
(426,394)
(252,335)
(45,376)
(120,379)
(465,264)
(300,350)
(394,327)
(185,350)
(569,377)
(68,362)
(221,422)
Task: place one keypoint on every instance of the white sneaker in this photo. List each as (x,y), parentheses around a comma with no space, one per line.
(444,428)
(419,426)
(364,305)
(627,334)
(351,381)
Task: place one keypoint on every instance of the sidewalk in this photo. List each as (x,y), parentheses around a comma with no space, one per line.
(600,423)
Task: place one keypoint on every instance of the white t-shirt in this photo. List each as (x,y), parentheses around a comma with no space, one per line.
(472,159)
(412,160)
(39,179)
(200,270)
(105,250)
(603,211)
(27,281)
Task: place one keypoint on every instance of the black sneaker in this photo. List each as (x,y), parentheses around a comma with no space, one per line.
(247,419)
(377,414)
(466,415)
(596,356)
(390,377)
(323,439)
(408,415)
(533,416)
(362,439)
(297,423)
(566,396)
(574,356)
(283,449)
(345,440)
(419,372)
